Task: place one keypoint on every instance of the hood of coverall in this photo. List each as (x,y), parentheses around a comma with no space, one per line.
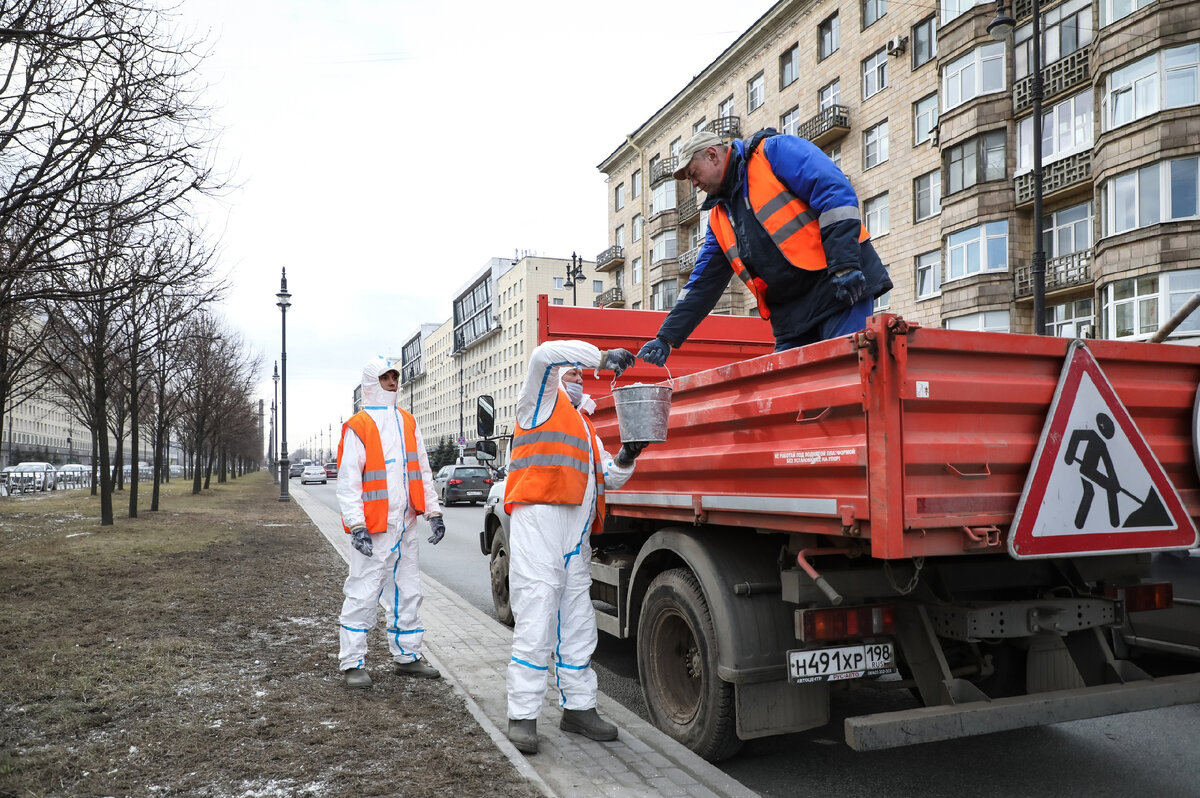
(373,394)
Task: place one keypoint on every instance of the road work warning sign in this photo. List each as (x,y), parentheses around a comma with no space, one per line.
(1095,487)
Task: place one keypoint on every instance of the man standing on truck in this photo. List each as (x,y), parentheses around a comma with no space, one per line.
(785,219)
(557,473)
(384,483)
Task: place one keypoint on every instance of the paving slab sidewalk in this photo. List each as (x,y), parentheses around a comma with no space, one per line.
(472,650)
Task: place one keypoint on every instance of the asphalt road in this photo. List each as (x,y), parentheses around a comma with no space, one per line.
(1154,753)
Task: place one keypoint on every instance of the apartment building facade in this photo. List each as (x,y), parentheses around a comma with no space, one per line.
(931,119)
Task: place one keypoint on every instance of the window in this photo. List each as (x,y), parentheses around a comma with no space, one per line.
(979,72)
(874,73)
(978,160)
(1068,319)
(663,198)
(558,300)
(662,295)
(619,237)
(831,94)
(619,196)
(636,272)
(1065,29)
(1068,230)
(875,215)
(983,248)
(674,148)
(662,246)
(638,223)
(827,34)
(636,306)
(558,283)
(927,195)
(1112,10)
(1166,79)
(789,66)
(924,41)
(952,9)
(726,107)
(635,184)
(1137,306)
(987,321)
(755,92)
(925,118)
(929,274)
(1161,192)
(619,276)
(597,286)
(698,126)
(872,10)
(835,155)
(875,145)
(883,301)
(789,123)
(1066,130)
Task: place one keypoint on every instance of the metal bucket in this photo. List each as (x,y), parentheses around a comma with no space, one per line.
(642,412)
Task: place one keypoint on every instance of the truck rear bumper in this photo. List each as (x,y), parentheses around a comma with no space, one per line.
(929,724)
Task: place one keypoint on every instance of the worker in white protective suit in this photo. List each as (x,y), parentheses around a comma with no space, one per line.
(558,470)
(384,483)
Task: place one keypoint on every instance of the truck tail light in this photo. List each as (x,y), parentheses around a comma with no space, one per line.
(1146,596)
(839,623)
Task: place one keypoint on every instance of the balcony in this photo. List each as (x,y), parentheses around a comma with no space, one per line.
(1061,76)
(612,298)
(687,261)
(826,127)
(661,221)
(1058,177)
(688,207)
(662,170)
(727,127)
(610,258)
(1066,271)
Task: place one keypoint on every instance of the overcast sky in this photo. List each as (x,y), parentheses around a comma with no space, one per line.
(385,150)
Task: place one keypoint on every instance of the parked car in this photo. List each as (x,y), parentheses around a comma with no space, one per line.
(37,476)
(1175,630)
(313,473)
(493,542)
(331,470)
(175,471)
(295,469)
(74,474)
(463,483)
(4,474)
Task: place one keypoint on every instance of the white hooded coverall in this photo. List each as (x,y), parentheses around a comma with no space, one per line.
(549,569)
(391,574)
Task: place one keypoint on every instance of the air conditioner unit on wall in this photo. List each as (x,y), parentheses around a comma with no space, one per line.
(897,44)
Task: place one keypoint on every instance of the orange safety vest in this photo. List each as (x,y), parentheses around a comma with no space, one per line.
(789,221)
(549,464)
(374,474)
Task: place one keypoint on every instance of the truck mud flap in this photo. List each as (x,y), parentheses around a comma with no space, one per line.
(930,724)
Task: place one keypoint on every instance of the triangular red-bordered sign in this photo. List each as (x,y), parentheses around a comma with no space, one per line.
(1095,487)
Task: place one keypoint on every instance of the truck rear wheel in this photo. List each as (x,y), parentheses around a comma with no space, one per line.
(677,663)
(499,571)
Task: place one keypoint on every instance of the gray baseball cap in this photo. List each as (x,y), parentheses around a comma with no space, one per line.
(695,144)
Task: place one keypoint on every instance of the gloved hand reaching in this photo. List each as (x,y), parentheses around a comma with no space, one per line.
(360,538)
(655,352)
(616,360)
(848,285)
(439,529)
(629,452)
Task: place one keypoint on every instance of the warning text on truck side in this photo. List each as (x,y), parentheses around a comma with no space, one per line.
(817,456)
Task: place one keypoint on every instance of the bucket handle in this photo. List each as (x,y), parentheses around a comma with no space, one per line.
(612,386)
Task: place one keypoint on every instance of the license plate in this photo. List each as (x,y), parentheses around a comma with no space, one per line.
(474,493)
(841,662)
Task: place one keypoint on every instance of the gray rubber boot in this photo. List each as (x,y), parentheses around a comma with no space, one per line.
(588,723)
(419,668)
(356,677)
(523,735)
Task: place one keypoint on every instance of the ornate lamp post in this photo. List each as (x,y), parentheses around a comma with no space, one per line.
(275,422)
(285,301)
(1001,28)
(574,277)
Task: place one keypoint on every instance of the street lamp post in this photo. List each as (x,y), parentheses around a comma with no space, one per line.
(1001,28)
(285,301)
(275,422)
(574,277)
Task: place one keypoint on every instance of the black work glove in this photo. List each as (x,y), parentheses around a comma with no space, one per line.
(360,539)
(616,360)
(629,452)
(439,529)
(848,285)
(655,352)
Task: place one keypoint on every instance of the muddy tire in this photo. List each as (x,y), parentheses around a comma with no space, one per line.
(499,570)
(677,663)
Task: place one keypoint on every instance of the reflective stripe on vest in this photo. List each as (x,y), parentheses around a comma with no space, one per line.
(550,463)
(374,475)
(791,224)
